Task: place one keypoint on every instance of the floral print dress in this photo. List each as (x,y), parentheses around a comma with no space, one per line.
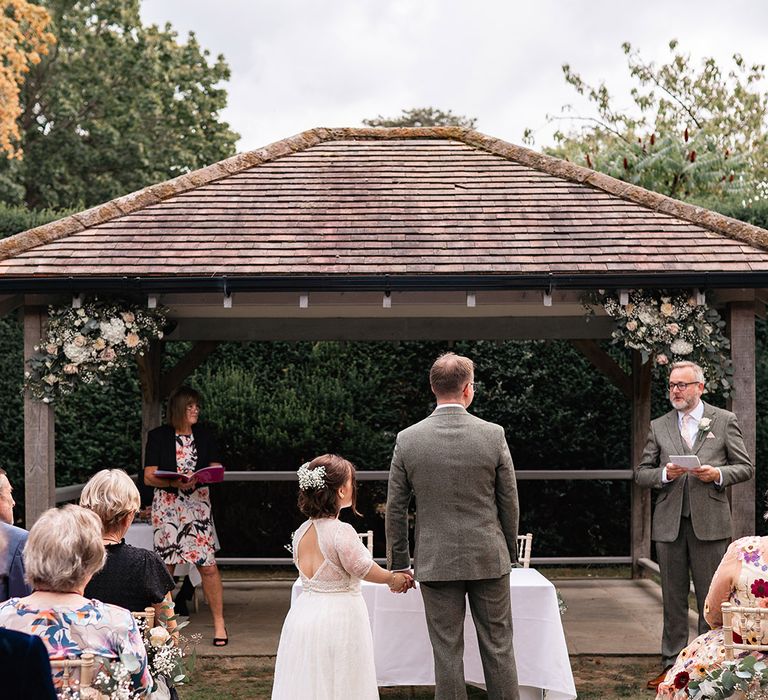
(746,562)
(104,630)
(182,522)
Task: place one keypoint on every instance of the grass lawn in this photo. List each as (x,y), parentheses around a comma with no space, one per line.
(596,678)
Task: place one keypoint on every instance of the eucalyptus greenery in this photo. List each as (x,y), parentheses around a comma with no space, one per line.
(748,675)
(668,326)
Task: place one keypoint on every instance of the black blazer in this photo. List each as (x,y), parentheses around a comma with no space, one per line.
(161,448)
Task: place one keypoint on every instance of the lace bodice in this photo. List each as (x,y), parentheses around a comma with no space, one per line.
(346,560)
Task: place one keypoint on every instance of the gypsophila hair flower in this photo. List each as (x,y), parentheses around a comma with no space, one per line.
(311,478)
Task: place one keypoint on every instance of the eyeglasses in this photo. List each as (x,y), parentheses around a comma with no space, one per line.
(681,385)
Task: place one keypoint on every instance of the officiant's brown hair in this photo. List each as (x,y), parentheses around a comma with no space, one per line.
(323,502)
(450,374)
(178,402)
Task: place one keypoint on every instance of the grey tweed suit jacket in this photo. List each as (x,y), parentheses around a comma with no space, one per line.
(722,446)
(459,470)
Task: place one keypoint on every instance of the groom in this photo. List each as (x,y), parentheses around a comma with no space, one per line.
(459,470)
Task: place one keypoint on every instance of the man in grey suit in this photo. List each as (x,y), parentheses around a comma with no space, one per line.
(692,518)
(12,582)
(459,470)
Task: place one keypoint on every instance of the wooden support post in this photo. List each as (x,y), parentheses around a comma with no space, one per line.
(743,404)
(640,497)
(39,432)
(149,377)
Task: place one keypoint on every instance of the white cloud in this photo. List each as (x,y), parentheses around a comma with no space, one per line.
(297,64)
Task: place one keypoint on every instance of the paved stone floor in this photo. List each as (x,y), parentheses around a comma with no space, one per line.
(615,617)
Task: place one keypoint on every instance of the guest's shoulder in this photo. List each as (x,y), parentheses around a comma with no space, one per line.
(13,534)
(117,616)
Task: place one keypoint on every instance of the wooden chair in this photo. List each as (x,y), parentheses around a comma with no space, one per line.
(86,666)
(524,543)
(148,615)
(742,613)
(367,539)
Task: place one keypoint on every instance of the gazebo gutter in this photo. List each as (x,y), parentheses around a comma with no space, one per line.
(335,283)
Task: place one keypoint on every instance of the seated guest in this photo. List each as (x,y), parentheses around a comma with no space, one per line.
(24,665)
(11,565)
(132,578)
(63,551)
(740,579)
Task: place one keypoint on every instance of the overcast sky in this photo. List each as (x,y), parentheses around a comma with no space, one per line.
(298,64)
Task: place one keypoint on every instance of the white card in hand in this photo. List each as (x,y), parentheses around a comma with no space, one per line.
(687,462)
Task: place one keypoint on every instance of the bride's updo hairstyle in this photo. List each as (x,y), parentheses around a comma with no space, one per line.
(319,496)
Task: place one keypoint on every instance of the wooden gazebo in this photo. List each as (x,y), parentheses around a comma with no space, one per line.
(373,234)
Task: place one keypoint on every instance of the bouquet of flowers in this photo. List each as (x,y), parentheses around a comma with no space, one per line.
(171,657)
(747,675)
(85,345)
(670,326)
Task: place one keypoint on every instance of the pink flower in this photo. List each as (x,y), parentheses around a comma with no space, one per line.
(632,325)
(662,359)
(673,328)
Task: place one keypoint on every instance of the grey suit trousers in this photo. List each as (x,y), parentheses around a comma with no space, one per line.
(704,557)
(445,607)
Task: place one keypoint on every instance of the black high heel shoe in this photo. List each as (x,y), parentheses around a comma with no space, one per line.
(221,641)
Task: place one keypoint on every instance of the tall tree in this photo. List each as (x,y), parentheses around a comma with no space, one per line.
(24,37)
(695,132)
(423,116)
(115,107)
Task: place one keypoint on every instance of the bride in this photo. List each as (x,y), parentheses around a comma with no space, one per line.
(326,651)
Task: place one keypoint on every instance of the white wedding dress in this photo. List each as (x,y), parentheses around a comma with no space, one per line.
(326,650)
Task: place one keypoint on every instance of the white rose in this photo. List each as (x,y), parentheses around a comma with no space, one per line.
(632,326)
(704,424)
(681,347)
(128,316)
(50,379)
(76,354)
(113,331)
(79,340)
(667,309)
(158,636)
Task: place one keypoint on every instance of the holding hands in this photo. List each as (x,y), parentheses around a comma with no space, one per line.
(401,581)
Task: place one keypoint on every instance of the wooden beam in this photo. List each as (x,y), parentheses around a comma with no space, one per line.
(39,432)
(421,328)
(602,361)
(640,497)
(175,377)
(743,404)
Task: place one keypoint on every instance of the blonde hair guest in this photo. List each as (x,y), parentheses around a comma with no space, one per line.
(132,578)
(63,552)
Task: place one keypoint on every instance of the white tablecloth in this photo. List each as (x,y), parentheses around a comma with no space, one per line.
(403,653)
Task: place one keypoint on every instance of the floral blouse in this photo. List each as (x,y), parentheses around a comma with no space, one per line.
(97,628)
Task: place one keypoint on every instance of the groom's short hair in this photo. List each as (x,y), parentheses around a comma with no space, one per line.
(450,374)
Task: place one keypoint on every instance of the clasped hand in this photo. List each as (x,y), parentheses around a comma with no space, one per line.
(401,582)
(705,472)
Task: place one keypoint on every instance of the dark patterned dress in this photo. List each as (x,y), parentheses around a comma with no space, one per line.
(182,520)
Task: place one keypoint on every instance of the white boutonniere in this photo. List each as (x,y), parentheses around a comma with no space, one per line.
(705,425)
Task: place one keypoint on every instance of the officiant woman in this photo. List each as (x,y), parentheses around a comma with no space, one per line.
(181,509)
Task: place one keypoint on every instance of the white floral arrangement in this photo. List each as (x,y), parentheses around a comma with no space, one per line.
(311,478)
(85,345)
(670,326)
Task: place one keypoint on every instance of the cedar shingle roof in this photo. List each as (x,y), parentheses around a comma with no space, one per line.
(434,201)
